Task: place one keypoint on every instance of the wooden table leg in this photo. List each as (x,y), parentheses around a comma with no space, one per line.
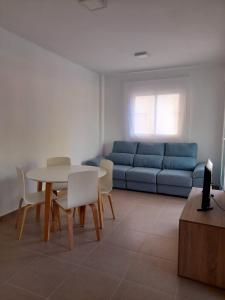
(38,208)
(48,201)
(100,214)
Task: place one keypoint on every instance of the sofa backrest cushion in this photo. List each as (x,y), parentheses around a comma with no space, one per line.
(179,163)
(121,158)
(180,156)
(149,155)
(124,147)
(181,149)
(151,148)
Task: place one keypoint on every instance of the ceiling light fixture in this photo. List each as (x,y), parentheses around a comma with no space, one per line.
(93,4)
(141,54)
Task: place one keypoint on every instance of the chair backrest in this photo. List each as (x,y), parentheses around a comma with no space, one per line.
(106,182)
(82,188)
(21,183)
(58,161)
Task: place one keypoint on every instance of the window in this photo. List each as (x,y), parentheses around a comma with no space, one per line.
(156,115)
(157,109)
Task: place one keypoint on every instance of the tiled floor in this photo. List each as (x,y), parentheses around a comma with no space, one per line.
(135,259)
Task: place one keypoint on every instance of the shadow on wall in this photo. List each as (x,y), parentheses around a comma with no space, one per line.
(9,197)
(107,148)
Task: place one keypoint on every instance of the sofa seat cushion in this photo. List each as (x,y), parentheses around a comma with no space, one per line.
(119,171)
(139,174)
(175,177)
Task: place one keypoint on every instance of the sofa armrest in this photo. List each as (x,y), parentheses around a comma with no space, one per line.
(94,161)
(199,170)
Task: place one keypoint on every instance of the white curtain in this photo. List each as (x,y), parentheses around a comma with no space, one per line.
(157,110)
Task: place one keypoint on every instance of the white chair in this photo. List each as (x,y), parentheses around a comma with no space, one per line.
(82,191)
(27,200)
(106,183)
(59,161)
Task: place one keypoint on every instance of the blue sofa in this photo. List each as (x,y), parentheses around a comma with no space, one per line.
(166,168)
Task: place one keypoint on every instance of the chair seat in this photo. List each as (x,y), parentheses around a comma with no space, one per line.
(140,174)
(175,178)
(119,171)
(35,198)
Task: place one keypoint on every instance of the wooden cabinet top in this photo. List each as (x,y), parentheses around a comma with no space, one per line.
(215,217)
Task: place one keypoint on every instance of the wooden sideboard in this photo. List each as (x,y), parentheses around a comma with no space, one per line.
(202,240)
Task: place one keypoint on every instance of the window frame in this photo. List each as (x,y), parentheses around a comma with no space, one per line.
(158,87)
(155,114)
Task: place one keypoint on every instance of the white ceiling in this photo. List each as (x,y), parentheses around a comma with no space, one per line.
(174,32)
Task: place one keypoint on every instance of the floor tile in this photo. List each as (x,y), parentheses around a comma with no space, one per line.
(167,228)
(82,249)
(192,290)
(114,260)
(128,239)
(9,292)
(160,246)
(139,248)
(154,272)
(133,291)
(109,226)
(87,284)
(42,276)
(141,219)
(12,260)
(57,247)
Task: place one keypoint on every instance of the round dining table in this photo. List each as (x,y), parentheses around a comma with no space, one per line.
(58,174)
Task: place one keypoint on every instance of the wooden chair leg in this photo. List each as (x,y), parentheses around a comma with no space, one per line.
(23,218)
(95,218)
(79,211)
(54,224)
(111,205)
(38,207)
(58,215)
(82,213)
(56,220)
(102,203)
(100,214)
(74,213)
(18,213)
(53,219)
(69,216)
(38,213)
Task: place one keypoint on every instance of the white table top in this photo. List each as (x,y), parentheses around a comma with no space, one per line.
(59,173)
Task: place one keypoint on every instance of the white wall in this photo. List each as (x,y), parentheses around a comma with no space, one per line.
(206,104)
(48,107)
